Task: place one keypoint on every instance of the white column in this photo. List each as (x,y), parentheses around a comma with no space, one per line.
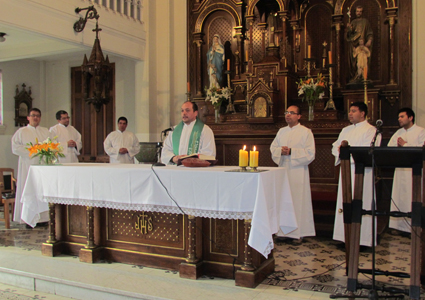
(418,44)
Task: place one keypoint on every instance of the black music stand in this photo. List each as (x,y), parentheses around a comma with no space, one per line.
(391,157)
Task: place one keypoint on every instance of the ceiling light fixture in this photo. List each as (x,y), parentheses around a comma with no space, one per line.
(2,38)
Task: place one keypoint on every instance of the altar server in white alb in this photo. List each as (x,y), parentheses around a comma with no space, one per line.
(409,135)
(190,136)
(121,145)
(29,134)
(360,133)
(294,149)
(68,137)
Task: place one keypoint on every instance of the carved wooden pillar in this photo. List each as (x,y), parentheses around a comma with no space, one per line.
(283,16)
(337,22)
(239,40)
(250,23)
(191,243)
(52,224)
(296,42)
(247,264)
(90,228)
(392,18)
(198,40)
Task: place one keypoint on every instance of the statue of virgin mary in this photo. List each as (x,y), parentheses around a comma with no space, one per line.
(215,62)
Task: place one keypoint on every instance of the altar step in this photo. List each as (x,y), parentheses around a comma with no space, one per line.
(66,276)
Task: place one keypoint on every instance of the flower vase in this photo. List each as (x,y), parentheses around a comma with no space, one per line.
(49,160)
(311,112)
(217,115)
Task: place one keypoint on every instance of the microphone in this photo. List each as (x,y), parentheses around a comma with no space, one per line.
(379,123)
(378,131)
(168,129)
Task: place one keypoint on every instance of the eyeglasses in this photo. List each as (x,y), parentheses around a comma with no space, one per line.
(291,113)
(35,116)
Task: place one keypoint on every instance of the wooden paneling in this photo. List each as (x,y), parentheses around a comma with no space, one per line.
(93,126)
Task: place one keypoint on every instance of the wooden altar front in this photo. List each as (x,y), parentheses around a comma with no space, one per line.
(192,246)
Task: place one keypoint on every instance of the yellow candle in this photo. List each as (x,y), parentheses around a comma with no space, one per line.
(243,157)
(365,73)
(309,51)
(188,87)
(330,57)
(253,158)
(246,55)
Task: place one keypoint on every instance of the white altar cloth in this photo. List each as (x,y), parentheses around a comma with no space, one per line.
(264,197)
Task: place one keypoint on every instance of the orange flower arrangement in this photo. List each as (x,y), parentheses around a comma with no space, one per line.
(312,90)
(47,151)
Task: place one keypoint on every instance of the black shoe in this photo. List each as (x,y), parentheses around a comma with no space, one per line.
(42,224)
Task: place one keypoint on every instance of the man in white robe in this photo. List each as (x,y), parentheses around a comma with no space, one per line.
(294,149)
(68,137)
(185,132)
(20,140)
(409,135)
(360,134)
(121,145)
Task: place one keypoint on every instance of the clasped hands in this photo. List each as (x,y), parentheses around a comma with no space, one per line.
(72,143)
(285,150)
(400,142)
(123,151)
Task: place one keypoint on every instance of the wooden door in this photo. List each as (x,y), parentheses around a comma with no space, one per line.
(93,126)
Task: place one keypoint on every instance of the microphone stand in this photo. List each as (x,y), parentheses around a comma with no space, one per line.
(373,291)
(159,146)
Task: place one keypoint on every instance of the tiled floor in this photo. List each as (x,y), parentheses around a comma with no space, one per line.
(313,270)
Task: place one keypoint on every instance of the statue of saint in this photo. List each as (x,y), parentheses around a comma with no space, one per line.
(361,53)
(358,29)
(271,26)
(215,62)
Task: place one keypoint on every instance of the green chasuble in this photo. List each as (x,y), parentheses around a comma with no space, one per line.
(194,139)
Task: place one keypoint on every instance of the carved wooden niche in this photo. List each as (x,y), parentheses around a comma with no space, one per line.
(23,104)
(260,105)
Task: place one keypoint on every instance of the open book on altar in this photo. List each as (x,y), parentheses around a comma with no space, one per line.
(197,159)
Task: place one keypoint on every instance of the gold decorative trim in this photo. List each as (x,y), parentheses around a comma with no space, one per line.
(220,263)
(145,253)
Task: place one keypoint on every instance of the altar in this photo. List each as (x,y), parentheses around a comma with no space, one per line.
(193,220)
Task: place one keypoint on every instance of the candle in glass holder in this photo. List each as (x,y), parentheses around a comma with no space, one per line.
(253,158)
(243,157)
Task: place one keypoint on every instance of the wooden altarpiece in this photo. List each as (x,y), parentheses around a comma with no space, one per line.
(267,43)
(23,104)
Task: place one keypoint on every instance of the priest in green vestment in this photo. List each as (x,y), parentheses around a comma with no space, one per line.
(190,136)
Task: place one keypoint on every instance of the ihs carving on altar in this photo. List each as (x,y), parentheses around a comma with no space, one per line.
(144,223)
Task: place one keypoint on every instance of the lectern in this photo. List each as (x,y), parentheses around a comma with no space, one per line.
(391,157)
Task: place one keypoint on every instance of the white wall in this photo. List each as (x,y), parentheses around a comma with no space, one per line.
(17,73)
(418,44)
